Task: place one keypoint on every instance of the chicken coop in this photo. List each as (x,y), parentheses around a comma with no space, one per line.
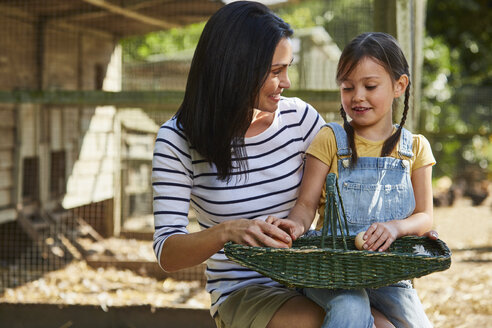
(78,125)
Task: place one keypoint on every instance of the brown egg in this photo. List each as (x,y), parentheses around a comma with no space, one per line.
(289,244)
(359,240)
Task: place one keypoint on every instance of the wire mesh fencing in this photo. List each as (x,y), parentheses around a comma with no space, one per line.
(84,88)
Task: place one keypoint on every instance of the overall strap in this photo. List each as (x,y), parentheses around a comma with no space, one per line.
(343,148)
(406,141)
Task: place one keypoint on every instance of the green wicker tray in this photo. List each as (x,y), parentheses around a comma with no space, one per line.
(330,261)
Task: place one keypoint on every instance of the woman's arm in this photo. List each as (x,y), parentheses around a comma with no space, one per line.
(185,250)
(379,236)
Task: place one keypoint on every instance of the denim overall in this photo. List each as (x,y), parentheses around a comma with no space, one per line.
(377,189)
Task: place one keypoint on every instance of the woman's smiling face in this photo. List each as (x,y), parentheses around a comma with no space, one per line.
(277,79)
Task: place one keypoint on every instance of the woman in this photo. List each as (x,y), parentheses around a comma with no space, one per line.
(233,97)
(235,152)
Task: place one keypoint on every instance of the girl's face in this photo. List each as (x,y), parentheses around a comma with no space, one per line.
(277,79)
(367,95)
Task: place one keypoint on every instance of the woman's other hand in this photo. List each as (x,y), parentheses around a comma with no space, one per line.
(293,228)
(257,232)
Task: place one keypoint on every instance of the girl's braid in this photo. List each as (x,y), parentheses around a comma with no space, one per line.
(350,135)
(390,143)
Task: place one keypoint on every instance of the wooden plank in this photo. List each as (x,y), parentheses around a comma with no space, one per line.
(5,198)
(7,215)
(56,129)
(7,139)
(6,159)
(36,315)
(95,14)
(91,98)
(10,11)
(33,228)
(6,118)
(18,162)
(5,179)
(28,126)
(130,14)
(134,98)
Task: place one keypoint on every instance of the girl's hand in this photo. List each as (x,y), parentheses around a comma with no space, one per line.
(380,236)
(257,233)
(293,228)
(432,234)
(387,233)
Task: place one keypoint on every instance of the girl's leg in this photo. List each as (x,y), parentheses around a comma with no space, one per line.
(344,308)
(380,321)
(400,304)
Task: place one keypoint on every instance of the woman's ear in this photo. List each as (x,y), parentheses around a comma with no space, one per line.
(401,85)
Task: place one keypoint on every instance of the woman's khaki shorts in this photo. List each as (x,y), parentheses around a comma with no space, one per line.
(252,306)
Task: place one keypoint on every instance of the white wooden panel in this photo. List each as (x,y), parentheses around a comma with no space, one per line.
(5,197)
(7,116)
(5,179)
(93,167)
(86,117)
(56,132)
(8,215)
(6,160)
(6,138)
(28,130)
(70,124)
(103,119)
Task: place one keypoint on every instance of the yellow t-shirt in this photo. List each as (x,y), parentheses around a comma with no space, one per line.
(324,148)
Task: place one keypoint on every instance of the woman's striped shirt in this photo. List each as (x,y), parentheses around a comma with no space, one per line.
(181,177)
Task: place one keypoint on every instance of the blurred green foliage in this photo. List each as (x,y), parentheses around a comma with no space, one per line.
(140,48)
(457,73)
(343,19)
(457,85)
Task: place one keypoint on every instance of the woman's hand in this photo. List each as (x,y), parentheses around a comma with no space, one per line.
(293,228)
(257,233)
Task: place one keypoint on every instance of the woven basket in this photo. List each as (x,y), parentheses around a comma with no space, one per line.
(330,261)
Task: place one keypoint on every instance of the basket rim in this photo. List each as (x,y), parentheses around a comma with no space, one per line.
(308,249)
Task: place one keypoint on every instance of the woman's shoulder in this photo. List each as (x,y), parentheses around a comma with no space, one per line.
(294,104)
(297,110)
(172,128)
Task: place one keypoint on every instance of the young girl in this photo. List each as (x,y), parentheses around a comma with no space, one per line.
(384,174)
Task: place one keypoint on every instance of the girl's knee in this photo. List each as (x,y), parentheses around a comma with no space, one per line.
(353,299)
(350,304)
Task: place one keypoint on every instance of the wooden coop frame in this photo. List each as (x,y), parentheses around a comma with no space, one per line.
(110,21)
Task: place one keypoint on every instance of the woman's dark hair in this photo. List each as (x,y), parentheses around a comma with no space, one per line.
(230,64)
(384,49)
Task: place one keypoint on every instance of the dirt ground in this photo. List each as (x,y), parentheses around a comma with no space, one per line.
(461,297)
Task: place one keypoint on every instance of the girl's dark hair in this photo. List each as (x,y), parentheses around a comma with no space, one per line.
(230,64)
(386,51)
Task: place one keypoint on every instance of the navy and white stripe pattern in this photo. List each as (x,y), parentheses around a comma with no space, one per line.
(182,178)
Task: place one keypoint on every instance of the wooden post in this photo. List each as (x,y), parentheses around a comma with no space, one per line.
(17,161)
(117,185)
(405,20)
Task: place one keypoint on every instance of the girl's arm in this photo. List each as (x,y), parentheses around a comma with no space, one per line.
(379,236)
(302,214)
